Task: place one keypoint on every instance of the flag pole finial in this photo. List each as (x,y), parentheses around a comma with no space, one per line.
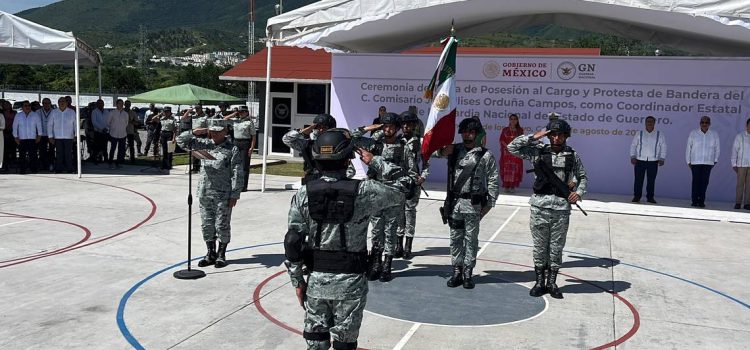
(453,28)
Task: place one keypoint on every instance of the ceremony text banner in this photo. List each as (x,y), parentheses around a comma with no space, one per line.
(605,100)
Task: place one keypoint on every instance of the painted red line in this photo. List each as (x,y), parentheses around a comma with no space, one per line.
(618,341)
(94,241)
(631,332)
(636,315)
(86,236)
(256,299)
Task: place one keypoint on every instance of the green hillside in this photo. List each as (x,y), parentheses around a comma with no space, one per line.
(220,24)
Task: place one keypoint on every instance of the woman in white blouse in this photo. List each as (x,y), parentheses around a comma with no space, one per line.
(741,166)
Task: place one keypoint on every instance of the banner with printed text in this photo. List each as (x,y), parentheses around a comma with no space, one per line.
(605,99)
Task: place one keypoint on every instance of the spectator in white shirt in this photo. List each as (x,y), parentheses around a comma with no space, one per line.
(101,132)
(27,130)
(117,123)
(741,166)
(62,131)
(46,150)
(647,153)
(701,154)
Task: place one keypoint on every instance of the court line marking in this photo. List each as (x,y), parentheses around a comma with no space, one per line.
(406,337)
(16,222)
(416,326)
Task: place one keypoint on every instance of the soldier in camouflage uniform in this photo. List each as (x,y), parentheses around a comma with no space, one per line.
(219,186)
(550,212)
(408,219)
(168,127)
(388,144)
(474,191)
(301,141)
(194,118)
(328,233)
(244,139)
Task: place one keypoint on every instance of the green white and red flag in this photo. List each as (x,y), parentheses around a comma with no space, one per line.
(441,123)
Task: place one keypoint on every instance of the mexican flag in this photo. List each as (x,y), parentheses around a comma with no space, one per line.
(441,124)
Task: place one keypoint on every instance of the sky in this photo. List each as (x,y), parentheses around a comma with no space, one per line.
(15,6)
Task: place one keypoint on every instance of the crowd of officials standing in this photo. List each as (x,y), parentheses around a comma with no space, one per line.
(41,135)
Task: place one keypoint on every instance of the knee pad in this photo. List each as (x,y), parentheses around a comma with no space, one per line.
(344,346)
(324,336)
(457,224)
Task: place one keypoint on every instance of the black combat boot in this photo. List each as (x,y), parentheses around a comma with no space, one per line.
(468,281)
(552,288)
(376,264)
(221,261)
(539,289)
(210,257)
(457,277)
(407,248)
(386,275)
(399,253)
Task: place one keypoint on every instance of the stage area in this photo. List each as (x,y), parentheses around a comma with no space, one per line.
(87,264)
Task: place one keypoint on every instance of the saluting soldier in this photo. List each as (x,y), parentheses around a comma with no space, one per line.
(550,206)
(413,150)
(328,233)
(301,141)
(244,139)
(474,187)
(387,143)
(219,186)
(168,127)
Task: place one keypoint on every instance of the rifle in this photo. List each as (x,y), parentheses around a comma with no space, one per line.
(560,188)
(424,191)
(446,211)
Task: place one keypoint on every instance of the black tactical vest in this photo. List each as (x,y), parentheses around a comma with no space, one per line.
(333,203)
(541,184)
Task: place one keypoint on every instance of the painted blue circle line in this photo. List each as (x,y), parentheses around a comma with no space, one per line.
(124,300)
(134,342)
(626,264)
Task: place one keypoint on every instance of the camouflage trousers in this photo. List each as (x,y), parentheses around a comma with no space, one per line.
(549,228)
(244,146)
(336,319)
(464,239)
(408,218)
(384,227)
(215,216)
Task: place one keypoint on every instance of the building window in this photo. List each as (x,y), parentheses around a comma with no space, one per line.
(311,98)
(282,87)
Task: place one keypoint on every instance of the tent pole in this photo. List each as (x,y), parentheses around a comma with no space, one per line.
(100,80)
(78,110)
(267,119)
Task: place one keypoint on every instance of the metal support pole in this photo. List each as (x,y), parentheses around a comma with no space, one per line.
(267,117)
(78,110)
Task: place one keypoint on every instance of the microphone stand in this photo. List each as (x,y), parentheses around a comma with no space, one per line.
(189,273)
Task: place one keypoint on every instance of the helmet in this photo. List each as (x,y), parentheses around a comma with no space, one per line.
(409,117)
(326,120)
(559,126)
(470,124)
(391,118)
(333,144)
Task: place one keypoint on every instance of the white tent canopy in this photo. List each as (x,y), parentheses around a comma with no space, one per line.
(26,42)
(717,28)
